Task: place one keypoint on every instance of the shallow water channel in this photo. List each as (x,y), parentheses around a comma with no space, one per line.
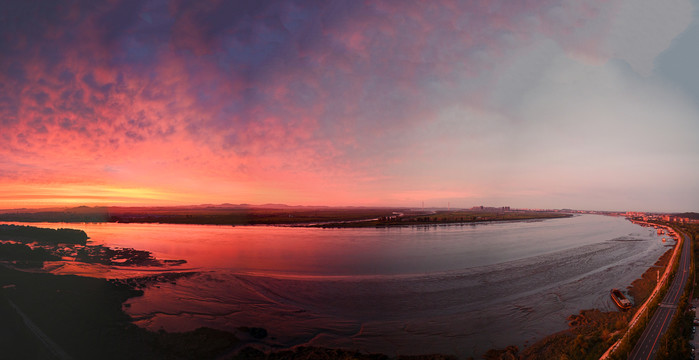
(456,289)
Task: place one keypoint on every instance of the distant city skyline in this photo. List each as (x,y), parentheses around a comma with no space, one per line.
(550,104)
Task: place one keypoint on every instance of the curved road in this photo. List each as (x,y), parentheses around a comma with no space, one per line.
(648,344)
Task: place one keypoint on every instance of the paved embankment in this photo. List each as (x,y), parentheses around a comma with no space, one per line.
(647,346)
(663,280)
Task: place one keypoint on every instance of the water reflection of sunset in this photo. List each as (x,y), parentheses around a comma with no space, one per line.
(347,252)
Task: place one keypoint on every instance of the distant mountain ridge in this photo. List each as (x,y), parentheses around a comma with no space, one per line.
(690,215)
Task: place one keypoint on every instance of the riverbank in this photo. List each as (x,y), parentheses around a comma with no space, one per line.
(458,309)
(458,217)
(591,332)
(71,317)
(67,316)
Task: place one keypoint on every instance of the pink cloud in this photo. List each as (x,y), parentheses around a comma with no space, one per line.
(246,102)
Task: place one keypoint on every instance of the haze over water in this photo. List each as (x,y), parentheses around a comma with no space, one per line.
(458,289)
(541,104)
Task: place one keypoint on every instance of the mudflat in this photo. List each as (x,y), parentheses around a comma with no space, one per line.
(49,316)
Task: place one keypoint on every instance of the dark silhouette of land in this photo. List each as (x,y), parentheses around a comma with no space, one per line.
(46,315)
(53,316)
(227,214)
(273,214)
(447,217)
(55,244)
(42,235)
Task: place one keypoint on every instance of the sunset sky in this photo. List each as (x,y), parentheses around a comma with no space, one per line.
(537,104)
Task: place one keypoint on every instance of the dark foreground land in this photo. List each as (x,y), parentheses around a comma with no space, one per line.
(43,236)
(82,318)
(46,316)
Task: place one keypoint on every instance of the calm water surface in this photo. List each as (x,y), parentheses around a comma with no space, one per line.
(458,289)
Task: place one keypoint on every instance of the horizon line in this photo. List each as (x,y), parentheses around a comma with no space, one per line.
(272,205)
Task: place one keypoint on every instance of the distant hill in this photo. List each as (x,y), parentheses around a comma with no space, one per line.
(691,215)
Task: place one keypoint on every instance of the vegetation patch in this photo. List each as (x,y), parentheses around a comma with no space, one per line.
(641,288)
(28,234)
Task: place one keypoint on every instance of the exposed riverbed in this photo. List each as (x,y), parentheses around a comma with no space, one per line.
(448,289)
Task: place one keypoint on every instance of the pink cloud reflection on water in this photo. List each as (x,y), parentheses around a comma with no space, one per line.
(408,290)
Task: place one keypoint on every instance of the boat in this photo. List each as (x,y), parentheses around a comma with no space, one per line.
(620,300)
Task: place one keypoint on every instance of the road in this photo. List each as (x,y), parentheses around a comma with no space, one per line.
(647,346)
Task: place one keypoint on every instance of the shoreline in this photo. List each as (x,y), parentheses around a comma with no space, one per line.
(99,327)
(593,329)
(379,224)
(586,316)
(331,217)
(36,306)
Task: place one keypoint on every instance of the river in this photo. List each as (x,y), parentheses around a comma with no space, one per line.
(453,289)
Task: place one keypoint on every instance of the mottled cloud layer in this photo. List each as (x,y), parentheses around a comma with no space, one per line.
(537,104)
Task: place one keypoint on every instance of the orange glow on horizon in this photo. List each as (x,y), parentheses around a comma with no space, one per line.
(181,105)
(27,196)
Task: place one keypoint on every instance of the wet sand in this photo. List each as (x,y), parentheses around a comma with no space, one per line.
(596,328)
(463,313)
(83,317)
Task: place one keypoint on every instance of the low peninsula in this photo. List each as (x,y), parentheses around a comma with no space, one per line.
(278,214)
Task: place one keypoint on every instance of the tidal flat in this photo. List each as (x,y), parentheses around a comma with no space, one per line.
(455,290)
